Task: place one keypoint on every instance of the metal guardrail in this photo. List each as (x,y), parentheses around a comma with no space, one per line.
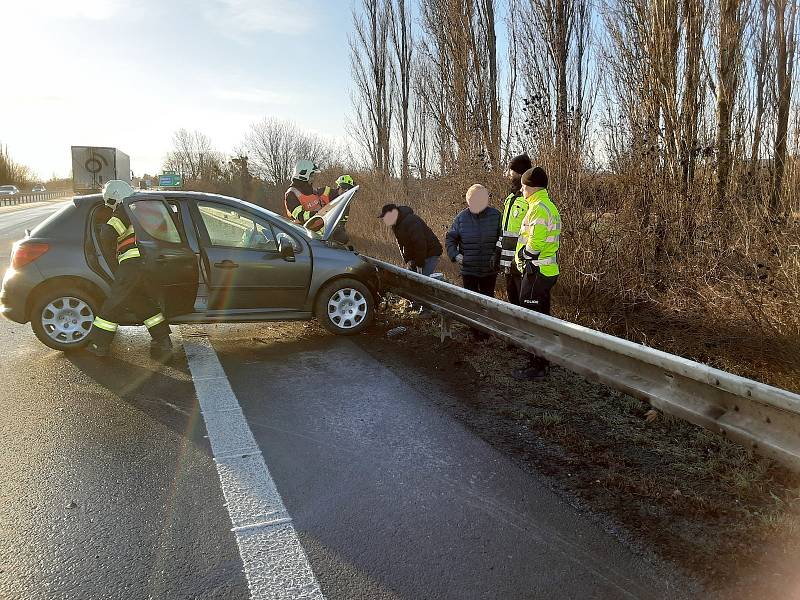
(37,197)
(754,414)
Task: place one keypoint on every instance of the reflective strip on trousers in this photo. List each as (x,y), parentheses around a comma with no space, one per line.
(132,253)
(101,323)
(154,320)
(507,253)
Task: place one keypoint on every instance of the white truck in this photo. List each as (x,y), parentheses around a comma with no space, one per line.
(92,166)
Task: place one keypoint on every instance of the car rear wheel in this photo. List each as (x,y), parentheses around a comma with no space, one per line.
(62,318)
(345,307)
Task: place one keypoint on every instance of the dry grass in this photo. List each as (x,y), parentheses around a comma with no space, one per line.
(731,299)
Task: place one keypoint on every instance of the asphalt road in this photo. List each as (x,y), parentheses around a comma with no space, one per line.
(124,478)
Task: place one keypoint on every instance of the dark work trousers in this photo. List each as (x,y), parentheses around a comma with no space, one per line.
(132,291)
(535,295)
(513,284)
(483,285)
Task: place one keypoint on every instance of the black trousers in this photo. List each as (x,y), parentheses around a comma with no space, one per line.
(133,291)
(513,284)
(535,295)
(483,285)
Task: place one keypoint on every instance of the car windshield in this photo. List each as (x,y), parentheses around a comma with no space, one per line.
(7,188)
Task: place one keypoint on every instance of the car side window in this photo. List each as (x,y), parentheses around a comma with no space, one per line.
(230,228)
(156,220)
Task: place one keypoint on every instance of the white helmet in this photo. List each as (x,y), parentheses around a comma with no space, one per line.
(304,169)
(115,191)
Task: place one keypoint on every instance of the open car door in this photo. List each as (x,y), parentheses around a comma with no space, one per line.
(165,252)
(331,220)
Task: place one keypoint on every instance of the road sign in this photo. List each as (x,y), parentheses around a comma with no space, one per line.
(169,180)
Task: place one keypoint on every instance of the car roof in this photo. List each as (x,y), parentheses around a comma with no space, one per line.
(92,198)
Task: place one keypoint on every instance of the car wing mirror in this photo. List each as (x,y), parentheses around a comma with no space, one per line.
(286,247)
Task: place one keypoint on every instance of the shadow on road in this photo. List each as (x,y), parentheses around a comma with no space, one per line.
(164,392)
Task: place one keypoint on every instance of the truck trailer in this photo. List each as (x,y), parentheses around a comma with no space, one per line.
(93,166)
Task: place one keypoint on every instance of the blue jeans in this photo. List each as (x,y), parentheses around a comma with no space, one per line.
(430,265)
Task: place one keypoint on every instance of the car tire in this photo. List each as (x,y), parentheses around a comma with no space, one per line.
(61,317)
(345,307)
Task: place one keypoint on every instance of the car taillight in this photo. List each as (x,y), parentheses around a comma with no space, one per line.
(26,253)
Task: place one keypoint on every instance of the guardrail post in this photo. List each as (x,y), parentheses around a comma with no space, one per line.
(446,328)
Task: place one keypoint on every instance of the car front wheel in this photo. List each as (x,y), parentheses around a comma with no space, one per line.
(62,318)
(345,307)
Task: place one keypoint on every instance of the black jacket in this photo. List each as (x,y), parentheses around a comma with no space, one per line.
(475,237)
(416,240)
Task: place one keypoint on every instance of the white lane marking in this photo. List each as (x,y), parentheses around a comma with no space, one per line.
(275,564)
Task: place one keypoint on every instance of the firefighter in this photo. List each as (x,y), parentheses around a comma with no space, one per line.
(344,184)
(132,289)
(537,257)
(301,199)
(514,210)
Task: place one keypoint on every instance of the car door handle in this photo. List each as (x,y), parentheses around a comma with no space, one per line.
(226,264)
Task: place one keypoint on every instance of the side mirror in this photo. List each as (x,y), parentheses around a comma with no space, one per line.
(285,247)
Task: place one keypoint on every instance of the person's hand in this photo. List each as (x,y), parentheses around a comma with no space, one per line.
(460,259)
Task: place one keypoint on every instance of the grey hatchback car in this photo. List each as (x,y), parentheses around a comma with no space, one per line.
(216,259)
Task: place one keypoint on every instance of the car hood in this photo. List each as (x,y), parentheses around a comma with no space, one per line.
(325,222)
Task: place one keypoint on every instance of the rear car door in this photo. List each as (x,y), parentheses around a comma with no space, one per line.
(165,252)
(244,268)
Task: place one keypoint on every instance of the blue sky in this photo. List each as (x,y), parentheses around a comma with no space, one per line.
(127,73)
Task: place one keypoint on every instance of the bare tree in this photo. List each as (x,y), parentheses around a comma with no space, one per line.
(760,64)
(785,46)
(13,173)
(559,86)
(372,71)
(193,155)
(403,45)
(274,146)
(459,44)
(729,65)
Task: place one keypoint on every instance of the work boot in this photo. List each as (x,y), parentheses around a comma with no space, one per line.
(161,348)
(97,349)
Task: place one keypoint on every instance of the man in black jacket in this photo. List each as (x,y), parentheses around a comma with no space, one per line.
(419,246)
(472,240)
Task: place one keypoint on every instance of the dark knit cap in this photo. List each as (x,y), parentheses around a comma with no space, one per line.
(535,177)
(520,164)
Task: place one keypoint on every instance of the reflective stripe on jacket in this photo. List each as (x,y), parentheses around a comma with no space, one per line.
(539,235)
(515,208)
(126,238)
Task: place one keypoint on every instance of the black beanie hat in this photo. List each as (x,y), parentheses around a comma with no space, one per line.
(535,177)
(520,163)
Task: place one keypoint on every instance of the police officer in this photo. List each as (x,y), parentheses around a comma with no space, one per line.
(537,257)
(132,289)
(514,210)
(301,200)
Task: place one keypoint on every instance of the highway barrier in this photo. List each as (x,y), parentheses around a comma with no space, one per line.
(759,416)
(32,197)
